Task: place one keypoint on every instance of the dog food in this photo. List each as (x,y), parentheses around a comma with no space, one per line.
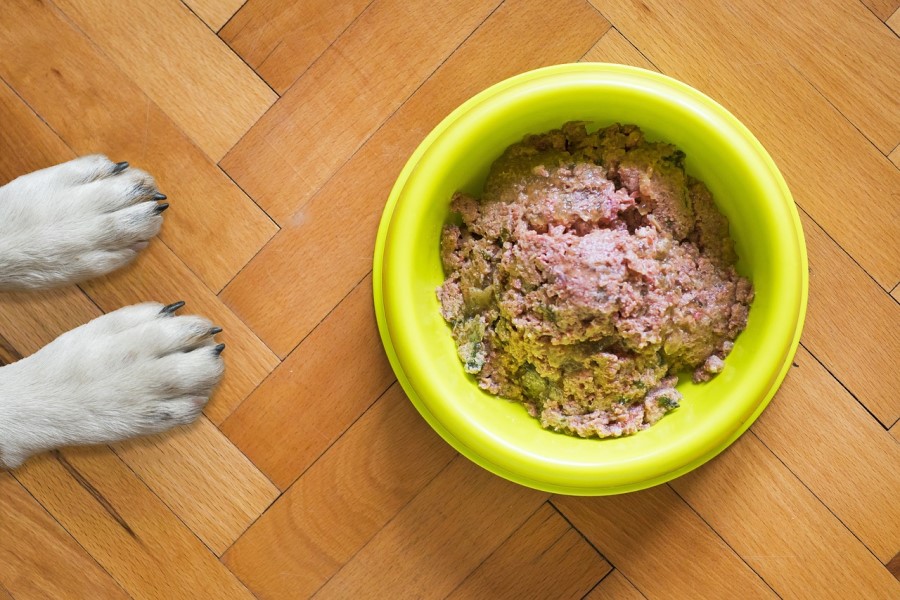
(589,274)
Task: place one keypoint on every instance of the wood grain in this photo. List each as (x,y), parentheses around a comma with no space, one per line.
(38,559)
(283,427)
(515,38)
(561,564)
(344,97)
(882,8)
(125,527)
(780,528)
(869,98)
(365,500)
(894,22)
(204,479)
(29,145)
(615,587)
(116,118)
(443,535)
(215,13)
(849,317)
(614,48)
(207,71)
(320,523)
(841,454)
(662,546)
(29,321)
(265,33)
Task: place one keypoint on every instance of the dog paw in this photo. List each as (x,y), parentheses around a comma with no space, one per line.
(138,370)
(75,221)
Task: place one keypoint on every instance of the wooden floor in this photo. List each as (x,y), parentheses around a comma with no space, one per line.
(276,127)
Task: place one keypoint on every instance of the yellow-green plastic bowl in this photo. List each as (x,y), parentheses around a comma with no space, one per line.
(499,435)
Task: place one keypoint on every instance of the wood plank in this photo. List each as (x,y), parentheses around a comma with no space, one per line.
(341,502)
(280,39)
(212,225)
(159,275)
(39,559)
(442,535)
(894,156)
(883,8)
(313,397)
(31,320)
(27,144)
(125,527)
(614,48)
(544,558)
(706,47)
(894,566)
(869,98)
(850,317)
(780,528)
(345,96)
(8,354)
(196,471)
(215,13)
(156,275)
(211,486)
(662,546)
(615,586)
(208,76)
(894,23)
(517,37)
(839,452)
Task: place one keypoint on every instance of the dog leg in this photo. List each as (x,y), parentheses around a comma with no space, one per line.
(74,221)
(134,371)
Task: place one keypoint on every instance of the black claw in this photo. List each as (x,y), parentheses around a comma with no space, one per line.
(159,196)
(215,330)
(170,309)
(218,349)
(161,207)
(119,167)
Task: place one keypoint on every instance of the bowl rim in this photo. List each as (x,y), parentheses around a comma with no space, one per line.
(563,484)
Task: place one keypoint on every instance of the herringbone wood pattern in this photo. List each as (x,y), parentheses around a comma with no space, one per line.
(276,127)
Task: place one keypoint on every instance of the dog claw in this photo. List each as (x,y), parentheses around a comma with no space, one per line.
(218,349)
(161,207)
(119,167)
(159,196)
(215,330)
(171,308)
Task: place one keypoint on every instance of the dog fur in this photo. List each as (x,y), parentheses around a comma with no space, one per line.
(138,370)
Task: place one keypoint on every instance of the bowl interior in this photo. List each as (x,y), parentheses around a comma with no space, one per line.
(747,188)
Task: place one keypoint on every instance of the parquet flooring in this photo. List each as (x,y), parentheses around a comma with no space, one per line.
(276,128)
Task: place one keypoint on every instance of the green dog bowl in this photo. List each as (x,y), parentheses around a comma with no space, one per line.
(499,435)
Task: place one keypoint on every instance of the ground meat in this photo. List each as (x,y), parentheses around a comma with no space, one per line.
(592,271)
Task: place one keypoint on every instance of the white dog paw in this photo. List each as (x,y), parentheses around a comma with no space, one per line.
(74,221)
(138,370)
